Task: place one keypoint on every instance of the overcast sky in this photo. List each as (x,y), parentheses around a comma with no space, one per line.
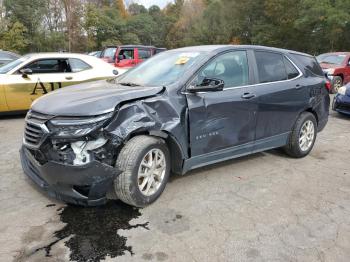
(148,3)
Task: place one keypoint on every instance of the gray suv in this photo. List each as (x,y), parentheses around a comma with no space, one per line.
(179,110)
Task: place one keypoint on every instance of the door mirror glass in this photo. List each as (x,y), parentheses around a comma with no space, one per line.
(25,72)
(208,85)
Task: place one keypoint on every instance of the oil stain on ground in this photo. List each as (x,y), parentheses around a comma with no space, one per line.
(93,231)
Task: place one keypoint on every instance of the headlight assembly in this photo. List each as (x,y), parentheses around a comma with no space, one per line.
(72,127)
(342,90)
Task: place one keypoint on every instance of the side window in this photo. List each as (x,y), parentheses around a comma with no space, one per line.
(292,72)
(144,54)
(270,67)
(231,67)
(49,66)
(126,54)
(309,63)
(78,65)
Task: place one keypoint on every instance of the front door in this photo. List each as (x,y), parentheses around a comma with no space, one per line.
(223,119)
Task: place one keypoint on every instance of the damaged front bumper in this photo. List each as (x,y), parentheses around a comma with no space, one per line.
(77,184)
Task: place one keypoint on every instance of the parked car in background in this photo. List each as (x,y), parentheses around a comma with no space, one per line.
(179,110)
(337,68)
(6,57)
(108,54)
(341,101)
(95,53)
(27,78)
(127,56)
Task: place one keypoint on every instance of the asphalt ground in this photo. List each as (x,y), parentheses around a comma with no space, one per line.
(263,207)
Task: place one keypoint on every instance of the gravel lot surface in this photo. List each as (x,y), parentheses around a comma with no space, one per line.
(264,207)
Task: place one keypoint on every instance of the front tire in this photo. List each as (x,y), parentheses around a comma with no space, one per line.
(336,84)
(303,136)
(145,165)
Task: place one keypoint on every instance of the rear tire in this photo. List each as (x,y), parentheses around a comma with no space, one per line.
(145,164)
(303,136)
(337,83)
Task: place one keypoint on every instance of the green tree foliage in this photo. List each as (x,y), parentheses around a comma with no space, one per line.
(85,25)
(14,39)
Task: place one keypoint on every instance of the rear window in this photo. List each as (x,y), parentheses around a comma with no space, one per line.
(270,67)
(78,65)
(7,56)
(144,54)
(309,63)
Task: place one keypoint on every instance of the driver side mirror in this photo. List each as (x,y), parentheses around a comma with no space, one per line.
(120,57)
(208,85)
(25,72)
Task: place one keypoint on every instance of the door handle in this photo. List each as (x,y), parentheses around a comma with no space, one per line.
(69,77)
(248,96)
(297,86)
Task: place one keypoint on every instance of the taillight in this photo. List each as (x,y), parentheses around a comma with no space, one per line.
(328,85)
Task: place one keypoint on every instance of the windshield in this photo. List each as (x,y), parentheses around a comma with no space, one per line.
(331,59)
(8,67)
(161,70)
(109,52)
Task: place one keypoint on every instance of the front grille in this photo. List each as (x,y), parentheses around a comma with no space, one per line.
(33,133)
(35,130)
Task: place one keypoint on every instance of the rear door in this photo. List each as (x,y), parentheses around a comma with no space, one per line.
(47,75)
(281,95)
(223,119)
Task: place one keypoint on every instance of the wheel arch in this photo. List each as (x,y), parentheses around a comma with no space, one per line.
(176,154)
(312,111)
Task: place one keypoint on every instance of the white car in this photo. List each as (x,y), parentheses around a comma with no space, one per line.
(27,78)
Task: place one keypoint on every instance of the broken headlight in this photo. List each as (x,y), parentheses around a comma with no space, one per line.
(73,127)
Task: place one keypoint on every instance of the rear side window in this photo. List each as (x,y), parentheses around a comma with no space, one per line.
(309,63)
(144,54)
(292,72)
(78,65)
(271,67)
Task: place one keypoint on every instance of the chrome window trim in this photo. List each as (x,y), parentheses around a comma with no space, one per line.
(267,83)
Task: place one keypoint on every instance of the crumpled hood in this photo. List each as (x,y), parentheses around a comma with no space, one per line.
(88,99)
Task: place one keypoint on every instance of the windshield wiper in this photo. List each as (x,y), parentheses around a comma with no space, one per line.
(129,84)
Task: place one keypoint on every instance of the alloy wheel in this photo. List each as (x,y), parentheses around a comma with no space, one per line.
(307,134)
(337,84)
(151,172)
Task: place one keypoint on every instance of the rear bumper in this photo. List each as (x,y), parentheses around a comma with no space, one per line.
(341,104)
(82,185)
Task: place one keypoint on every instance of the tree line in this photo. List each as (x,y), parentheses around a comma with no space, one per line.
(86,25)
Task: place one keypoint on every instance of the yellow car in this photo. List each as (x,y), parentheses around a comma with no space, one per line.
(31,76)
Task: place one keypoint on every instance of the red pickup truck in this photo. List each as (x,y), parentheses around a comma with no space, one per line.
(337,68)
(127,56)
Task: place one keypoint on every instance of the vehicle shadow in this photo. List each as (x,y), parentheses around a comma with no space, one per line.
(212,167)
(9,116)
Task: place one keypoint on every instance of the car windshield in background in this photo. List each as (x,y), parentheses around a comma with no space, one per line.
(161,70)
(331,59)
(8,67)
